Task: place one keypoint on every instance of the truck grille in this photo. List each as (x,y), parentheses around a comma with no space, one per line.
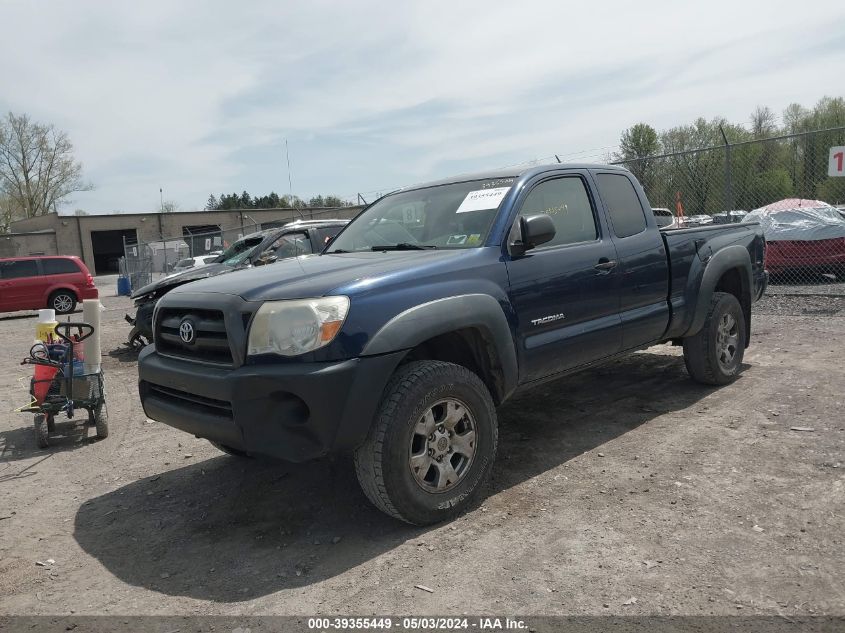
(204,329)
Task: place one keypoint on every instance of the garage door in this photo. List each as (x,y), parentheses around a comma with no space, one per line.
(108,248)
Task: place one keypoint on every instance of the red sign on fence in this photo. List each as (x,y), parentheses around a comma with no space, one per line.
(836,163)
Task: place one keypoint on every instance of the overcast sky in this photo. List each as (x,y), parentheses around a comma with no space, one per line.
(198,97)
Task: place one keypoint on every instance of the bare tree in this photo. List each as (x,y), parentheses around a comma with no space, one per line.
(9,212)
(37,166)
(168,206)
(763,122)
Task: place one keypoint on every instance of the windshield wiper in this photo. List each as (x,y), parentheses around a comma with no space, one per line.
(403,246)
(339,250)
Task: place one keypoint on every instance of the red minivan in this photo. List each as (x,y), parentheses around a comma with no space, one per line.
(31,283)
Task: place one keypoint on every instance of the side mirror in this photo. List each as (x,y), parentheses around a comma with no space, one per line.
(529,232)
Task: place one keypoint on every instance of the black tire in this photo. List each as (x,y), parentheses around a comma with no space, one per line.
(138,340)
(100,418)
(42,432)
(383,462)
(234,452)
(703,352)
(62,301)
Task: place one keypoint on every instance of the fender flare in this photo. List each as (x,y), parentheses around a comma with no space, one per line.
(441,316)
(725,259)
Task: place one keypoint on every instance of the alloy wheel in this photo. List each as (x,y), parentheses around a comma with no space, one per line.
(727,341)
(442,445)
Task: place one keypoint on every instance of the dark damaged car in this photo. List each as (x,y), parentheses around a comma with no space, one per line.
(256,249)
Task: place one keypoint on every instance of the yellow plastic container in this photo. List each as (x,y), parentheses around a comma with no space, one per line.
(45,329)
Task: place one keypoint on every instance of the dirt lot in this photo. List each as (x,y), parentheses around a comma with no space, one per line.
(628,481)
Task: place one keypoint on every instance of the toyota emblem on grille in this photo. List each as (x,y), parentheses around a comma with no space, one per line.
(186,331)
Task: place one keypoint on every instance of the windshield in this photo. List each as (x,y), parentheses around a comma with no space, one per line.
(458,215)
(239,251)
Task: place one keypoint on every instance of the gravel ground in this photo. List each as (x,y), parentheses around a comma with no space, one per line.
(797,305)
(626,481)
(822,290)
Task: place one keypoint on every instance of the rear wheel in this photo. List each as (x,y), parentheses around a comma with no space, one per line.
(432,444)
(62,301)
(714,355)
(42,431)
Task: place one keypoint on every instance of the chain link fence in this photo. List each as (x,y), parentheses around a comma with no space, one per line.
(790,184)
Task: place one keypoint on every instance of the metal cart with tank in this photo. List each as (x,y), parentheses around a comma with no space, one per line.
(62,385)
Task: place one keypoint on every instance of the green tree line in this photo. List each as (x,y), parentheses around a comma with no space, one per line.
(226,201)
(760,171)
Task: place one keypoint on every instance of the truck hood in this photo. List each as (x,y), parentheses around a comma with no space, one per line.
(309,276)
(177,279)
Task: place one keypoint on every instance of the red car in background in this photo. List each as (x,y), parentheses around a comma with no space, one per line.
(802,235)
(31,283)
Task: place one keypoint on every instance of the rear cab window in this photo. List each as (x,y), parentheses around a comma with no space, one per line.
(59,266)
(16,269)
(627,216)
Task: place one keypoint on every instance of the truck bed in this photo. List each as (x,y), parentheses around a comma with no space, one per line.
(689,250)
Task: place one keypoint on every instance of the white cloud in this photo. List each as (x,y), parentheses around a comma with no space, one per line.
(196,97)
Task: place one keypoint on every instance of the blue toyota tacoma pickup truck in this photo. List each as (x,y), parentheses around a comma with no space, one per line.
(430,309)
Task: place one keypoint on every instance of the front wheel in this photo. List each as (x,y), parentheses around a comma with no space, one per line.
(138,339)
(432,444)
(714,355)
(42,430)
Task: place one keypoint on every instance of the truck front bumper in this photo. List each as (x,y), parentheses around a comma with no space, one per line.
(294,412)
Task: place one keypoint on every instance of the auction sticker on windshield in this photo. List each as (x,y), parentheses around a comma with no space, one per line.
(482,199)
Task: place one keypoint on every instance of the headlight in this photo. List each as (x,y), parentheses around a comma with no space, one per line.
(294,327)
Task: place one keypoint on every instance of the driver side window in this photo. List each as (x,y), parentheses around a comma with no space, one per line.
(291,245)
(565,200)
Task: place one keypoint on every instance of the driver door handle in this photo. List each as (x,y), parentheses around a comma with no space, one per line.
(605,265)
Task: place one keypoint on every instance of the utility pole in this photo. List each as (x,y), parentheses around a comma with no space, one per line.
(160,230)
(729,190)
(290,183)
